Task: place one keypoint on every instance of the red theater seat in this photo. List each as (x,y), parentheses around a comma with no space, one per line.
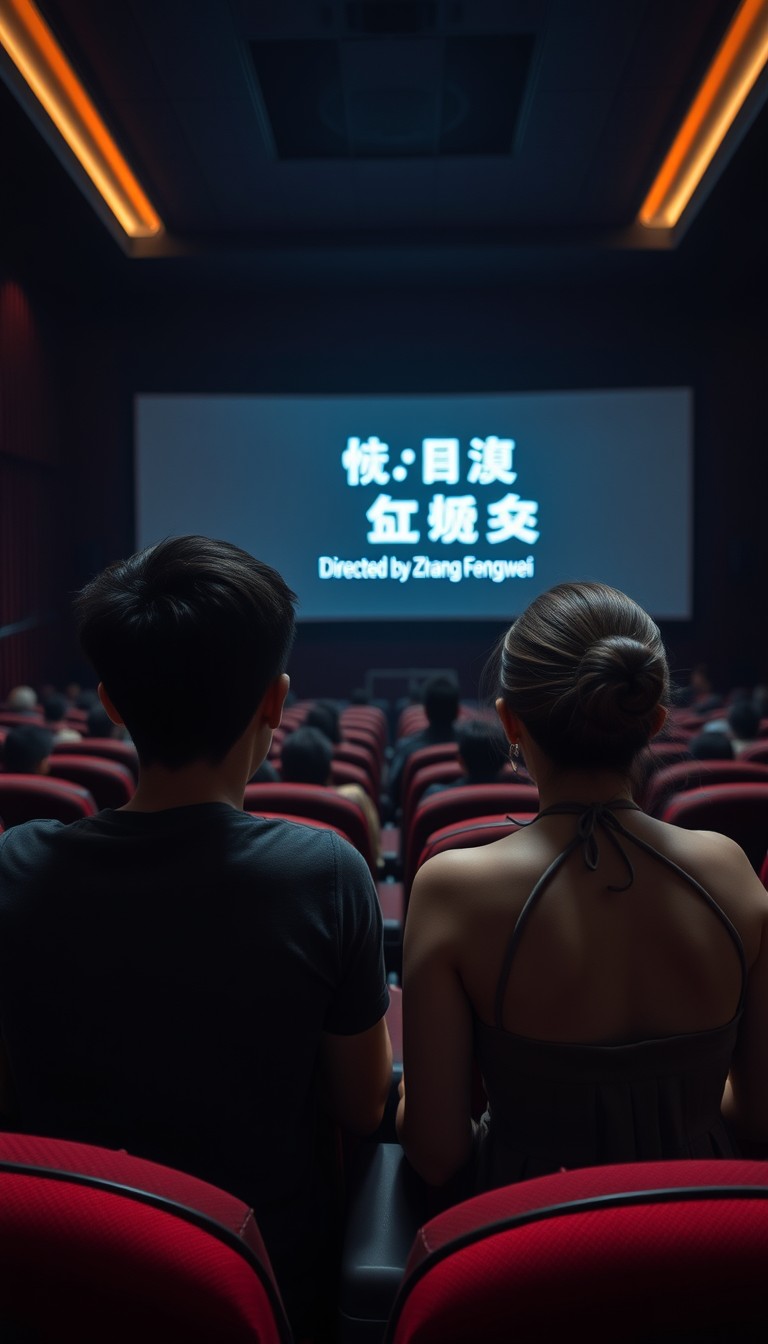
(737,810)
(99,1246)
(757,753)
(657,1250)
(112,785)
(685,775)
(470,834)
(28,797)
(108,748)
(461,804)
(314,800)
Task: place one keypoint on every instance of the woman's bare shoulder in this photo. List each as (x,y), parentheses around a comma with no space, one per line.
(717,863)
(464,875)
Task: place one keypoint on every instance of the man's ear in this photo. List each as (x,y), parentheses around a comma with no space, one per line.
(107,704)
(509,721)
(271,707)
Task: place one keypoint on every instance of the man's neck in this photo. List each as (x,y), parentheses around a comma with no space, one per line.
(160,788)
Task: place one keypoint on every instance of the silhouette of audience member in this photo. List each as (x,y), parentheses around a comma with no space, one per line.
(22,700)
(307,758)
(441,706)
(703,697)
(223,1010)
(99,724)
(54,710)
(481,753)
(744,725)
(711,747)
(323,714)
(27,750)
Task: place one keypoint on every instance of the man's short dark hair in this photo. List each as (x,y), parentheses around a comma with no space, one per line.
(481,748)
(306,757)
(25,748)
(441,701)
(186,637)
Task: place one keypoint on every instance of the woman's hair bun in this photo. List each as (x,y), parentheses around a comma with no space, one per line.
(618,681)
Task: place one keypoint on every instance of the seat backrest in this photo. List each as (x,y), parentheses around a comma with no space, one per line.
(106,748)
(758,751)
(435,754)
(18,718)
(460,804)
(345,772)
(112,785)
(97,1245)
(313,800)
(654,1250)
(737,810)
(28,797)
(365,758)
(684,775)
(471,834)
(369,717)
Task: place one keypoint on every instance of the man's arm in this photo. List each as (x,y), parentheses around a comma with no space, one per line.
(357,1075)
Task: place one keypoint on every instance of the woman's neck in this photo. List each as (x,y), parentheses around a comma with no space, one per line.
(581,786)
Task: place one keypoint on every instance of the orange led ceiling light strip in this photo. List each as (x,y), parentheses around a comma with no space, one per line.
(737,65)
(41,62)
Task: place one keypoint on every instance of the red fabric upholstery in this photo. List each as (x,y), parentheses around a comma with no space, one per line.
(686,775)
(757,752)
(368,717)
(456,805)
(445,771)
(26,797)
(303,821)
(346,772)
(366,758)
(313,800)
(131,1251)
(737,810)
(108,748)
(419,760)
(16,718)
(111,785)
(527,1263)
(470,834)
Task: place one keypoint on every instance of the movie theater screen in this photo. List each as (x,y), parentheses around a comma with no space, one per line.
(430,507)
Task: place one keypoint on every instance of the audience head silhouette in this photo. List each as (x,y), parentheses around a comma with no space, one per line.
(482,749)
(26,750)
(163,627)
(21,698)
(744,721)
(306,757)
(325,716)
(441,701)
(584,669)
(711,746)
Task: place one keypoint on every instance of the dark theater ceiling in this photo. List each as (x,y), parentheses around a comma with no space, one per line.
(469,129)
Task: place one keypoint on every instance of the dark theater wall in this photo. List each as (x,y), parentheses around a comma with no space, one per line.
(30,483)
(169,336)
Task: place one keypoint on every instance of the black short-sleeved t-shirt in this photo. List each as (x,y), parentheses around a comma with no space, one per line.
(165,979)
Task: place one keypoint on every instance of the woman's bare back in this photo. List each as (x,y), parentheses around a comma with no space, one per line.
(595,964)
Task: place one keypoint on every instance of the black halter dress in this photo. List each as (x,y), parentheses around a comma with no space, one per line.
(553,1105)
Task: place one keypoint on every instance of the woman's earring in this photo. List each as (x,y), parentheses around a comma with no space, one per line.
(514,756)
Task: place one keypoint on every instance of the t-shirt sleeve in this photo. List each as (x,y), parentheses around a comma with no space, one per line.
(361,997)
